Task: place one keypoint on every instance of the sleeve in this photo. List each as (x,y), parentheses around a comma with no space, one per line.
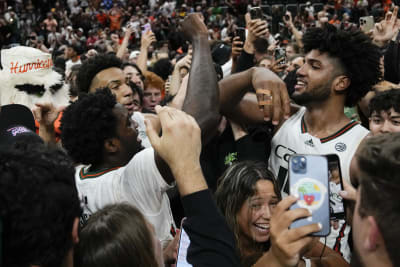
(391,62)
(142,183)
(245,61)
(212,243)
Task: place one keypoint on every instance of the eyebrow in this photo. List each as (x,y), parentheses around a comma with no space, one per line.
(313,60)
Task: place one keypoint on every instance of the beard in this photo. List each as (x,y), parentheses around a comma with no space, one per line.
(314,95)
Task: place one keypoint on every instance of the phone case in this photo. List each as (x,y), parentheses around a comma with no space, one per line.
(184,243)
(309,181)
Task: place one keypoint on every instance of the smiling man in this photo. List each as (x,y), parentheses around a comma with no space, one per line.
(340,68)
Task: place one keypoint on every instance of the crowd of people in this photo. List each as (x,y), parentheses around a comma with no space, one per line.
(124,124)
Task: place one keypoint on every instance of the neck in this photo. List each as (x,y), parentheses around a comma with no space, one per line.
(377,259)
(326,118)
(74,59)
(106,164)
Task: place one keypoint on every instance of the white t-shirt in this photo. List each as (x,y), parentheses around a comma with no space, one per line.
(138,183)
(293,138)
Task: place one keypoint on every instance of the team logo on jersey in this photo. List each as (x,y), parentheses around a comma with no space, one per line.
(311,193)
(340,147)
(309,143)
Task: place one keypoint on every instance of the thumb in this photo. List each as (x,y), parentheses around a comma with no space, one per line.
(152,135)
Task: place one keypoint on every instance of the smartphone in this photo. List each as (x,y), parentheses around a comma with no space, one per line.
(146,28)
(256,13)
(337,205)
(367,23)
(241,32)
(280,53)
(309,181)
(184,243)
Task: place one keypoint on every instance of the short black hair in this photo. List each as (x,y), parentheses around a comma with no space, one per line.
(92,66)
(358,57)
(384,101)
(38,204)
(163,68)
(86,124)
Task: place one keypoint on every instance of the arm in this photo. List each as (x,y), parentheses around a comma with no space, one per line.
(297,34)
(125,41)
(237,48)
(212,243)
(234,88)
(146,41)
(202,96)
(176,76)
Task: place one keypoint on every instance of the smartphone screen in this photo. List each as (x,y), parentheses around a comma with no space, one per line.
(308,180)
(184,243)
(280,53)
(337,206)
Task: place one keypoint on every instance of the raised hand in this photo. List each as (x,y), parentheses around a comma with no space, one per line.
(272,96)
(147,39)
(46,114)
(237,47)
(287,244)
(180,143)
(193,26)
(387,28)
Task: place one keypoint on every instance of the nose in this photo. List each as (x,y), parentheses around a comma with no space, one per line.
(127,91)
(300,71)
(385,127)
(266,212)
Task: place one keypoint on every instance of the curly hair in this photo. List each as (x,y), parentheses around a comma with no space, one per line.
(384,101)
(92,66)
(38,204)
(358,57)
(86,124)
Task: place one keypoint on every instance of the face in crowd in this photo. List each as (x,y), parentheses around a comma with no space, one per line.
(114,78)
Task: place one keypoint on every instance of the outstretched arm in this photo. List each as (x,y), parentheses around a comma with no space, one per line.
(272,101)
(202,96)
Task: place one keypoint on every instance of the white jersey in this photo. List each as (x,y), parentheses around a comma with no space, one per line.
(293,138)
(138,183)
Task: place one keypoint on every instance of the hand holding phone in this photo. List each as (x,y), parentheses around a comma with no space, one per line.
(308,180)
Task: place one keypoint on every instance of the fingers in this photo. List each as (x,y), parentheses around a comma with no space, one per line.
(296,234)
(152,135)
(276,101)
(349,192)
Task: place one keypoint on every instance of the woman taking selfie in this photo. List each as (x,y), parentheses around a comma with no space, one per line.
(247,195)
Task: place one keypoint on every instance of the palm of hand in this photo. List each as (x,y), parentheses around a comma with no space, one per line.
(387,32)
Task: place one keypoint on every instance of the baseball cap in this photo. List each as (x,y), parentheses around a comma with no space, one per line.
(16,125)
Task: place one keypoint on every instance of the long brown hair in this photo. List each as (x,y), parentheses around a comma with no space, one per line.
(116,235)
(236,185)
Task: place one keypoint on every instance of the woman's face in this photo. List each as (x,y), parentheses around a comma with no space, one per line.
(254,216)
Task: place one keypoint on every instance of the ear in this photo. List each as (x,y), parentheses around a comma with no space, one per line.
(75,226)
(111,145)
(341,83)
(373,235)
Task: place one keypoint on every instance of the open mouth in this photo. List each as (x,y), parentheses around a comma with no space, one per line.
(300,84)
(262,227)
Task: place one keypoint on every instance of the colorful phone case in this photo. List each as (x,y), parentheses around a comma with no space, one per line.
(311,185)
